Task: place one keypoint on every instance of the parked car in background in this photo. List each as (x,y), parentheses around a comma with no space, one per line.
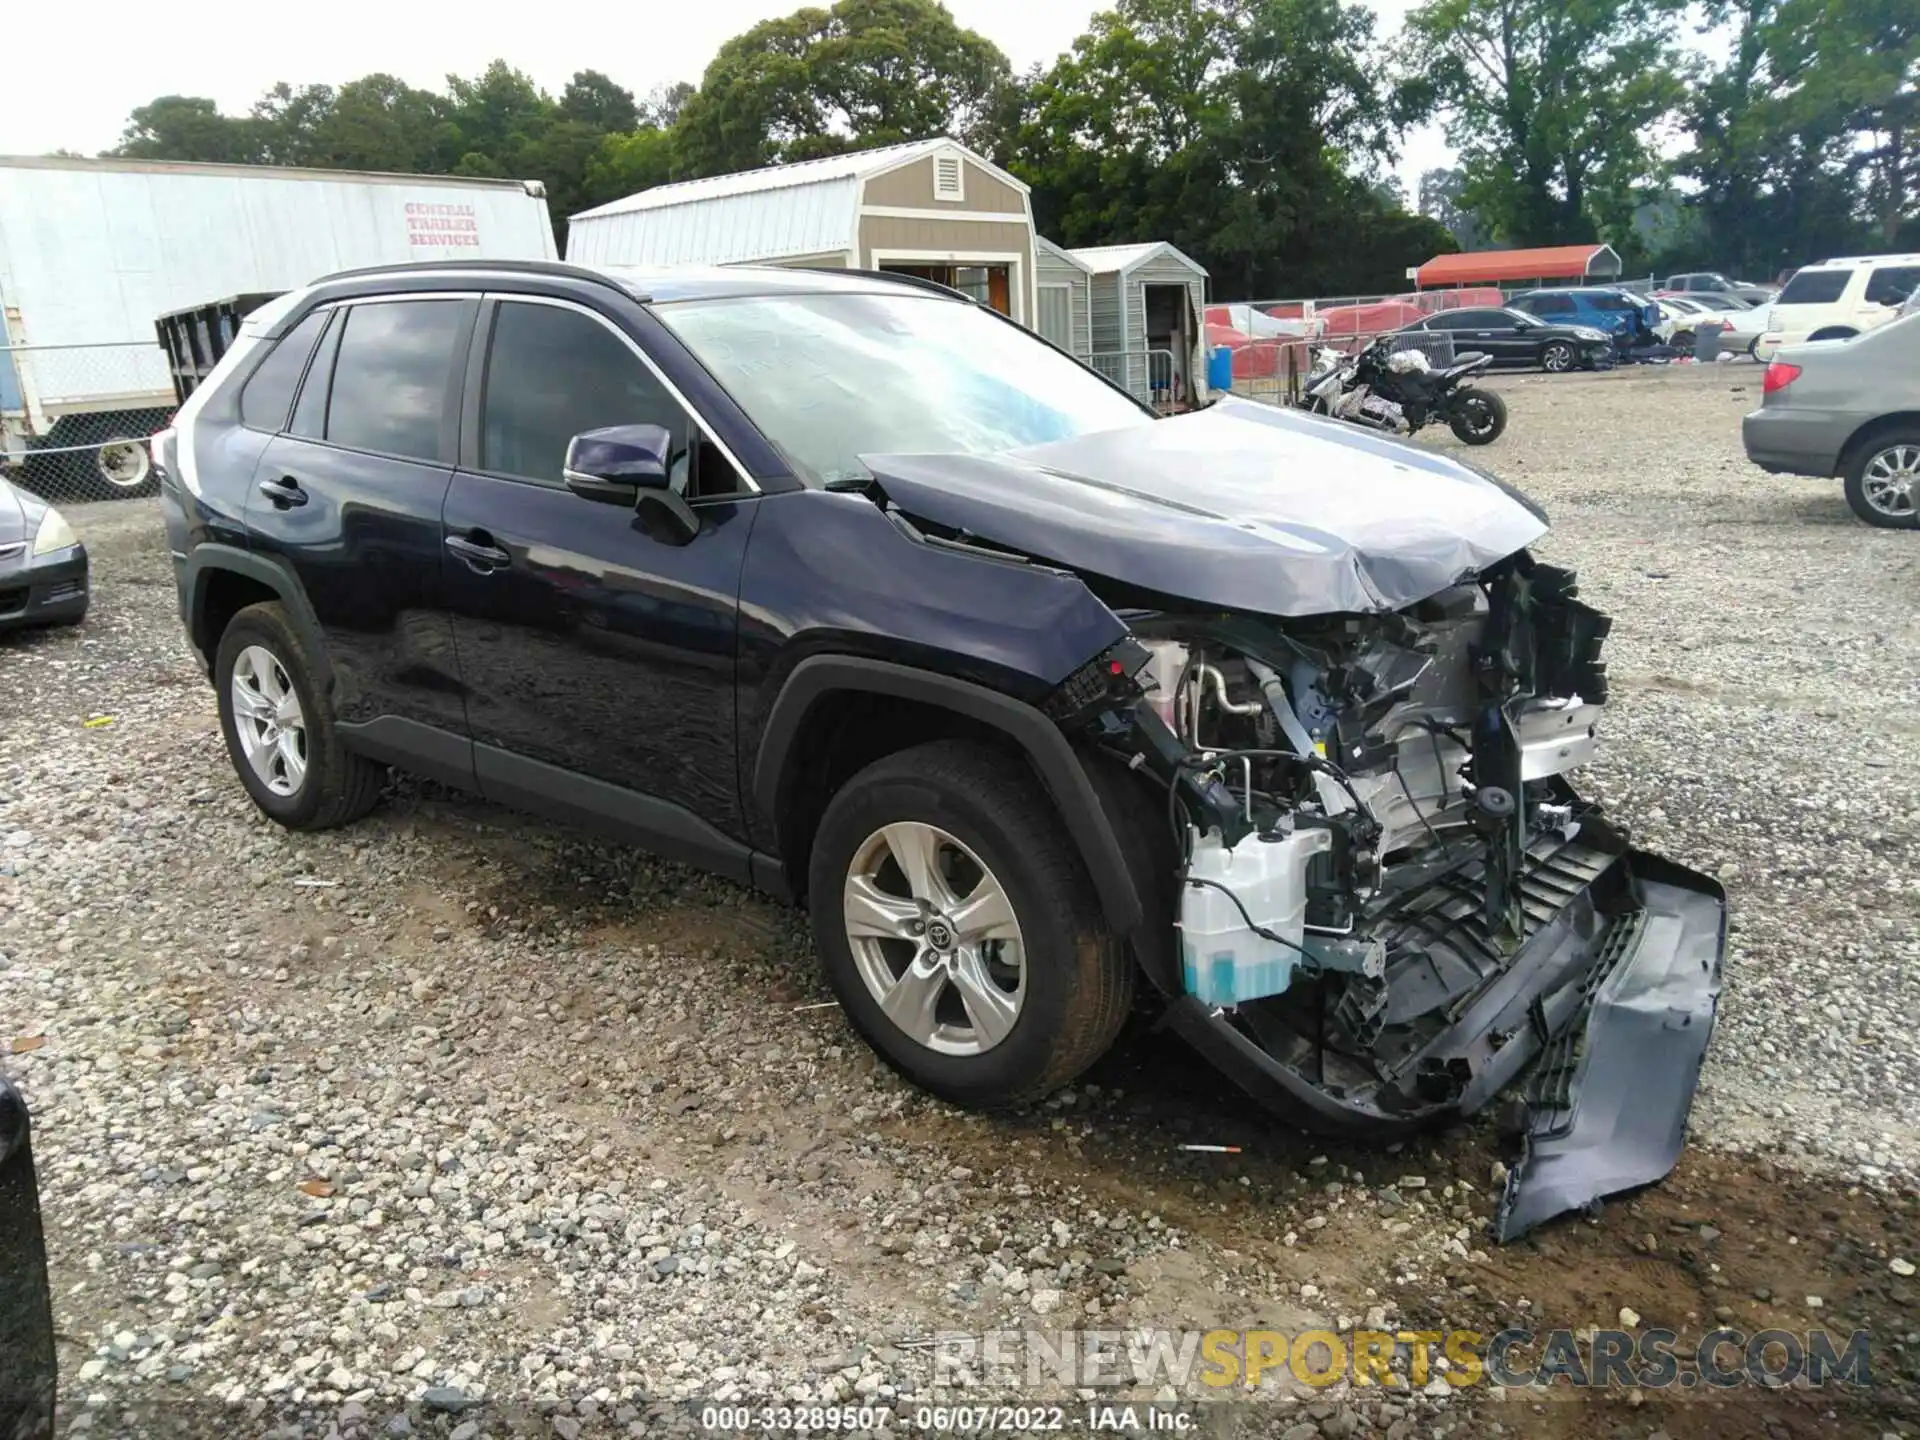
(1628,318)
(1849,408)
(1030,695)
(43,565)
(1680,318)
(1720,303)
(1712,282)
(1513,337)
(1840,298)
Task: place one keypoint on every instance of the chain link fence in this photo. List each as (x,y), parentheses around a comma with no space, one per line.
(75,419)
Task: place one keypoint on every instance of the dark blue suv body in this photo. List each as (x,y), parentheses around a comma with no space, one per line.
(845,587)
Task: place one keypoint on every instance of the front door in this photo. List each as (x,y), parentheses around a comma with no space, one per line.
(349,494)
(597,650)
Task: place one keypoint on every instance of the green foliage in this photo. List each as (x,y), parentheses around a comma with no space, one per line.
(1244,131)
(816,82)
(1256,135)
(1550,103)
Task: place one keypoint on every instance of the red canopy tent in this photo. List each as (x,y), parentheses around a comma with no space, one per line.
(1512,267)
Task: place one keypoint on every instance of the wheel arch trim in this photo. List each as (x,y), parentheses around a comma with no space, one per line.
(1049,751)
(211,558)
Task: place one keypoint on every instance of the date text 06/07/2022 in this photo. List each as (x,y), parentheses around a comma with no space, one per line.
(951,1419)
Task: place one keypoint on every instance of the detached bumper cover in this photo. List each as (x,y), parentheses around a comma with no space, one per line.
(1604,1012)
(1608,1101)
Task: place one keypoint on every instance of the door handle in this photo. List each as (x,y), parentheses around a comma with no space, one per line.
(480,557)
(283,492)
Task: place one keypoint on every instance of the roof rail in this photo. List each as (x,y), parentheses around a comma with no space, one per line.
(525,267)
(917,282)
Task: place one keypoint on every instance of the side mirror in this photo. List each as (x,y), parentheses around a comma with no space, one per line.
(614,464)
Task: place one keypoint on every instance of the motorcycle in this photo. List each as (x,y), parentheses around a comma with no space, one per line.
(1400,392)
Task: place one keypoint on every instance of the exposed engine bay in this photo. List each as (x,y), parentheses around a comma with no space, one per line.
(1339,724)
(1390,898)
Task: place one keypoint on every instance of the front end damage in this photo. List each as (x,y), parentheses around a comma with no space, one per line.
(1347,708)
(1392,904)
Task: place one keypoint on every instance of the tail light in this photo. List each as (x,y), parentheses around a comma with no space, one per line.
(1779,375)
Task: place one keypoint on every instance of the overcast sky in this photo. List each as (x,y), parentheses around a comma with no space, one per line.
(64,91)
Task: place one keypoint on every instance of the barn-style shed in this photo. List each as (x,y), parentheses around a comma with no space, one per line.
(931,208)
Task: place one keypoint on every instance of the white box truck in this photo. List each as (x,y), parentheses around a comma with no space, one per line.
(92,252)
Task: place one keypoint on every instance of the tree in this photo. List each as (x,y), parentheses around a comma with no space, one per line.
(1247,132)
(1547,101)
(866,72)
(1801,138)
(591,99)
(664,104)
(1439,199)
(1855,64)
(622,165)
(189,127)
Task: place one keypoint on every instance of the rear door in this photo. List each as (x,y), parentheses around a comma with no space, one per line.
(350,496)
(596,646)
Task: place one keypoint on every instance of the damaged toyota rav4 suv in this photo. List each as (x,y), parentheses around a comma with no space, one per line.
(852,590)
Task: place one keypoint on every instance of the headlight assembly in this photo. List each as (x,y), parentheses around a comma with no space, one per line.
(54,534)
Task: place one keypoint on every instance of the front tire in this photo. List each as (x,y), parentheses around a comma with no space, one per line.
(1557,357)
(1883,481)
(1478,417)
(958,927)
(279,731)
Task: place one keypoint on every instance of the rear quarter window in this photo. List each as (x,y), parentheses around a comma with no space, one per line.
(1815,287)
(269,392)
(1891,284)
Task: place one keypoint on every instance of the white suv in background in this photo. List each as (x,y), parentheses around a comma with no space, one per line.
(1838,299)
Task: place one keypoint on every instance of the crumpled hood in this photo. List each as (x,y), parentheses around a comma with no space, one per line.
(1241,505)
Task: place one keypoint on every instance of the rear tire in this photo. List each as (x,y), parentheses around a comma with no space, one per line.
(1061,980)
(288,755)
(1834,332)
(1875,477)
(1478,417)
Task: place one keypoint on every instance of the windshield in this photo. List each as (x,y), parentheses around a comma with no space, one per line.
(829,378)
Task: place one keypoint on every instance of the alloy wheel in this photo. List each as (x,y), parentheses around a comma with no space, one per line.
(935,939)
(1557,358)
(1890,483)
(268,719)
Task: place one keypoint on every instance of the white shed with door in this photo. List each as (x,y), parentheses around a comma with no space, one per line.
(930,208)
(1147,315)
(1065,287)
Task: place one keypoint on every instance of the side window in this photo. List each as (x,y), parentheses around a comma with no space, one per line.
(1814,287)
(554,373)
(269,391)
(310,410)
(1450,320)
(1891,284)
(392,378)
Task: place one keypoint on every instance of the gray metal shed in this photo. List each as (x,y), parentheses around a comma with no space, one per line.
(1148,305)
(1065,290)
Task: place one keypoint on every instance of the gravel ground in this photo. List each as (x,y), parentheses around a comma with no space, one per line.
(460,1123)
